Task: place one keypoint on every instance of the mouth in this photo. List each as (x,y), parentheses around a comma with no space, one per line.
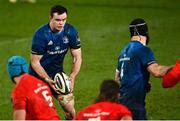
(59,26)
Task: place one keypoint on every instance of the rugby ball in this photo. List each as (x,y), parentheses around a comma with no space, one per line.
(62,83)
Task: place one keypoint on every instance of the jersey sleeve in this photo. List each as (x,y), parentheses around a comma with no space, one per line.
(38,44)
(74,40)
(19,99)
(147,56)
(172,77)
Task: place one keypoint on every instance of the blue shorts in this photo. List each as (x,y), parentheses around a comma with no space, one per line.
(135,103)
(138,114)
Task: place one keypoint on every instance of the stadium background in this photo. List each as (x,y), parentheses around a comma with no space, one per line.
(103,29)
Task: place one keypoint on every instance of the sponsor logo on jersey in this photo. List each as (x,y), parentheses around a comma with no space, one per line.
(50,42)
(65,39)
(57,51)
(124,59)
(57,48)
(95,114)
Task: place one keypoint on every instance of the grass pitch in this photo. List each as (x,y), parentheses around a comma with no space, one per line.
(103,29)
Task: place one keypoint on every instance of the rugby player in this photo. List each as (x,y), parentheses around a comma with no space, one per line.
(31,97)
(50,44)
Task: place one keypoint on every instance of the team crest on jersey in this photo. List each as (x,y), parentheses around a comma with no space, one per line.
(65,39)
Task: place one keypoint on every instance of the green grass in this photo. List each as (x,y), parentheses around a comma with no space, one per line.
(103,28)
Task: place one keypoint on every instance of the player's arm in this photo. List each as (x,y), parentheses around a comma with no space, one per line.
(76,65)
(172,77)
(35,63)
(158,70)
(169,80)
(37,51)
(19,102)
(19,114)
(117,78)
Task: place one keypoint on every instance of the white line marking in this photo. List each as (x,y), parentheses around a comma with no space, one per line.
(15,41)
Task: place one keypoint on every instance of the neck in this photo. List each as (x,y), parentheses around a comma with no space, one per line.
(17,79)
(53,29)
(141,39)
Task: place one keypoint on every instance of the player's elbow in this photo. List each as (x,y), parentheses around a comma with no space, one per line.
(35,60)
(34,63)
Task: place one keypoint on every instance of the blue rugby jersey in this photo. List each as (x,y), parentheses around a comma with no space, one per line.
(134,76)
(53,46)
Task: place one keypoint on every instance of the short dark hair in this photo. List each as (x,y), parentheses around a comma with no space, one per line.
(109,90)
(58,9)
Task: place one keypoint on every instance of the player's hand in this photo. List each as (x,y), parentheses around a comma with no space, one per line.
(72,84)
(148,87)
(169,69)
(51,84)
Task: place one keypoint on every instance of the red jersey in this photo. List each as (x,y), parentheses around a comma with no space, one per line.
(172,77)
(35,97)
(103,111)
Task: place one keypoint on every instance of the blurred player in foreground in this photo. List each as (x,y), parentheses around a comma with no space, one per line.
(172,77)
(106,105)
(31,97)
(135,64)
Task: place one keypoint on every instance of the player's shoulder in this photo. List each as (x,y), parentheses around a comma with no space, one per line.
(110,104)
(28,79)
(69,28)
(144,50)
(21,87)
(42,29)
(147,50)
(119,107)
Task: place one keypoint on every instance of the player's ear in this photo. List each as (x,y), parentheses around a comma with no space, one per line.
(50,17)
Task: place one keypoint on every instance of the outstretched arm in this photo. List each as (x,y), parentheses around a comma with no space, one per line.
(158,70)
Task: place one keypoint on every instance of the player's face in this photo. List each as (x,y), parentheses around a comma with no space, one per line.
(57,21)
